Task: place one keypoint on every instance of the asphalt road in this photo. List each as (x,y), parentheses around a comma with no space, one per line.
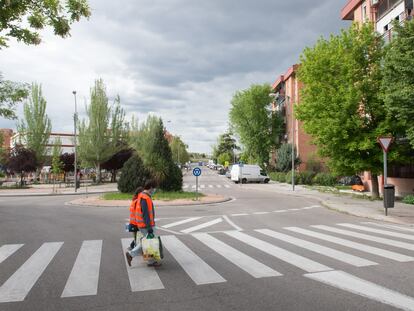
(261,251)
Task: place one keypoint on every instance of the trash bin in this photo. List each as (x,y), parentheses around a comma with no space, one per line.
(389,196)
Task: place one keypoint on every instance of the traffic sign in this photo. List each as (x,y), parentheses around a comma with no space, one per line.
(385,142)
(196,171)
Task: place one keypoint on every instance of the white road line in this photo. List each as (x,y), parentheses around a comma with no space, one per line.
(359,246)
(193,186)
(260,213)
(326,251)
(181,222)
(141,277)
(227,186)
(310,207)
(350,283)
(203,225)
(8,250)
(218,186)
(231,223)
(210,186)
(379,231)
(244,262)
(202,186)
(280,253)
(241,214)
(20,283)
(390,226)
(169,231)
(385,241)
(198,270)
(294,209)
(280,211)
(83,280)
(185,186)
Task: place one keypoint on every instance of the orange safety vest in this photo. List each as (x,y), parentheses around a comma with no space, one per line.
(132,212)
(139,217)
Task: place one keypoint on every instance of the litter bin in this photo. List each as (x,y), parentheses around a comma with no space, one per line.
(389,196)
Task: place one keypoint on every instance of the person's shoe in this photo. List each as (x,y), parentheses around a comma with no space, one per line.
(128,258)
(154,264)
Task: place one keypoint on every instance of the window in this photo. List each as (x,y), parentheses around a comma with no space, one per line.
(364,11)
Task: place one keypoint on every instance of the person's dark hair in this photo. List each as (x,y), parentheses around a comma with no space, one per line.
(137,191)
(150,184)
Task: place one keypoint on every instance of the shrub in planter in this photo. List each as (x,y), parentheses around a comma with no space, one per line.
(324,179)
(174,180)
(133,175)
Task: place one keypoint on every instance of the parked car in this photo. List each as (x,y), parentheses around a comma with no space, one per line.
(248,173)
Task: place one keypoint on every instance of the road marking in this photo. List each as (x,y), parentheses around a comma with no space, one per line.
(231,223)
(203,225)
(294,209)
(20,283)
(390,226)
(139,271)
(227,186)
(310,207)
(359,246)
(198,270)
(241,214)
(181,222)
(210,186)
(244,262)
(350,283)
(218,186)
(185,186)
(384,232)
(193,186)
(326,251)
(280,211)
(280,253)
(8,250)
(260,213)
(367,237)
(83,280)
(202,186)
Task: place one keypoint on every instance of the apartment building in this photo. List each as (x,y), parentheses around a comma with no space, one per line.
(67,141)
(287,90)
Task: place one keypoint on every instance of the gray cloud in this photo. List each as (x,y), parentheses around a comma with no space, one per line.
(180,59)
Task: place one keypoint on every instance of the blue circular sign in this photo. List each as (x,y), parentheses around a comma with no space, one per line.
(197,171)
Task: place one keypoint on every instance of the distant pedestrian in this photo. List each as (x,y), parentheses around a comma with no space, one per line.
(144,218)
(132,219)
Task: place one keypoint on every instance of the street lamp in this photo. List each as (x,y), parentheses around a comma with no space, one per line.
(75,121)
(287,100)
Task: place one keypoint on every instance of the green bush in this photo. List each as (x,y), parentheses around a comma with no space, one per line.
(324,179)
(409,199)
(305,178)
(288,177)
(278,176)
(174,179)
(284,158)
(133,175)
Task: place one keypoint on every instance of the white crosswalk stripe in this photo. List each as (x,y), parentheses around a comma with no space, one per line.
(202,186)
(244,262)
(280,253)
(83,280)
(203,225)
(180,222)
(364,288)
(210,186)
(8,250)
(399,228)
(139,271)
(379,231)
(185,186)
(358,246)
(367,237)
(227,186)
(20,283)
(326,251)
(198,270)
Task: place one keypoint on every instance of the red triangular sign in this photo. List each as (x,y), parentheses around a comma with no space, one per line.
(385,142)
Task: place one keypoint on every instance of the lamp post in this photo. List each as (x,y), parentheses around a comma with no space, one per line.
(293,144)
(75,121)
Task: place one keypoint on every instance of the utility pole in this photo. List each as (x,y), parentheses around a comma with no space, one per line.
(75,120)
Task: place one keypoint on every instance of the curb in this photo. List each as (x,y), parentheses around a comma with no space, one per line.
(52,194)
(225,200)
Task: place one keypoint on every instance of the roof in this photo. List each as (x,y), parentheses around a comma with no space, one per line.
(347,12)
(285,77)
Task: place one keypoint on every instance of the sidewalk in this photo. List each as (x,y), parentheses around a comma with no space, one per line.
(348,204)
(46,190)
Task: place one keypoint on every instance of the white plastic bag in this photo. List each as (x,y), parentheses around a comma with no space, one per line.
(151,248)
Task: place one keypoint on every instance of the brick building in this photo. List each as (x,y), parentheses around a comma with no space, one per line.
(7,137)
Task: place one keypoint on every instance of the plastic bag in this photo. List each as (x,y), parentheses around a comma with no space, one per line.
(151,248)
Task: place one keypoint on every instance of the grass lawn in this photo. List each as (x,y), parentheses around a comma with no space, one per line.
(159,195)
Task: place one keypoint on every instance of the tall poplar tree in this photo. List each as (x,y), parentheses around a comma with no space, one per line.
(35,127)
(103,129)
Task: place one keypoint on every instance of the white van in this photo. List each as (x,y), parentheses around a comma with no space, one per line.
(248,173)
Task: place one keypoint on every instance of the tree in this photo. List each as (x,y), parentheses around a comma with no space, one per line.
(226,144)
(35,128)
(133,175)
(38,14)
(21,160)
(179,150)
(340,106)
(284,158)
(398,83)
(224,157)
(117,161)
(57,164)
(11,93)
(67,160)
(156,154)
(251,119)
(100,135)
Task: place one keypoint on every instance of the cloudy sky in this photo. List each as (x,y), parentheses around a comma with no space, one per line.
(179,59)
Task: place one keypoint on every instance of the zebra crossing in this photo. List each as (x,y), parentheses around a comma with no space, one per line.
(232,246)
(206,186)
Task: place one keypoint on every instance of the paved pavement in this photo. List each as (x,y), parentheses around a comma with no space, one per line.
(265,250)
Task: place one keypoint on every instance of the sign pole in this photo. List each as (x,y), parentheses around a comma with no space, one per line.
(385,179)
(196,188)
(385,142)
